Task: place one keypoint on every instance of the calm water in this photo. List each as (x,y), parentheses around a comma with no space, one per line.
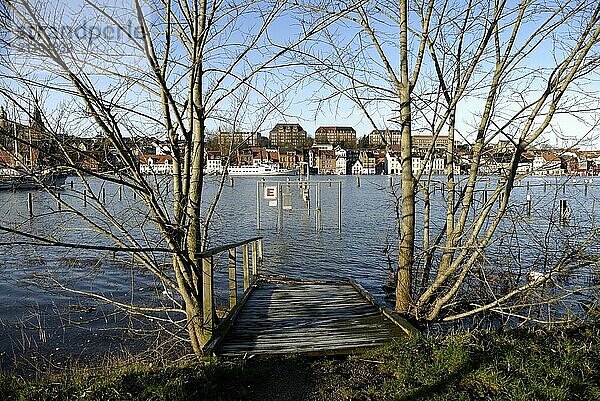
(35,314)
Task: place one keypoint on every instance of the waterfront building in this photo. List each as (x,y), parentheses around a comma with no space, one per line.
(340,160)
(435,164)
(547,164)
(392,164)
(214,162)
(156,164)
(313,155)
(368,161)
(579,162)
(288,136)
(30,145)
(357,168)
(263,155)
(326,162)
(525,165)
(291,159)
(335,135)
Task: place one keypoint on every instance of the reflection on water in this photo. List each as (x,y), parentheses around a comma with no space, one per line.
(33,313)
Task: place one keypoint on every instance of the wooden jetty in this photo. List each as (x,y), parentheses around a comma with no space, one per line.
(281,316)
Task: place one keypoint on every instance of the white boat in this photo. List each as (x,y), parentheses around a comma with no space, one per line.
(260,169)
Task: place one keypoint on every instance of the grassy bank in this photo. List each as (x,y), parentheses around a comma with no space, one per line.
(512,365)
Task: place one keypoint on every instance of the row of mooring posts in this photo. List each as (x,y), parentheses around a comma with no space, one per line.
(84,198)
(283,199)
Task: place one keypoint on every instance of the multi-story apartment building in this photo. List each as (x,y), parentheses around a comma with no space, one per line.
(326,162)
(368,161)
(288,136)
(425,141)
(384,137)
(393,138)
(228,139)
(336,135)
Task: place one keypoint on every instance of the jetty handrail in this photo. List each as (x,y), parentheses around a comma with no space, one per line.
(223,248)
(207,262)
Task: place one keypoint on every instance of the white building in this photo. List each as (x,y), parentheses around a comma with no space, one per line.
(435,165)
(156,164)
(340,160)
(547,164)
(357,168)
(214,163)
(392,165)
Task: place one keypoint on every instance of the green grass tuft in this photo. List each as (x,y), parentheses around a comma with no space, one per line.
(512,365)
(560,364)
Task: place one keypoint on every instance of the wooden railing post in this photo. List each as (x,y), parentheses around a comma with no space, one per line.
(260,254)
(254,261)
(232,279)
(246,267)
(207,293)
(212,325)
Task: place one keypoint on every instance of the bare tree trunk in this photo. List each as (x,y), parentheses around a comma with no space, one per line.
(407,238)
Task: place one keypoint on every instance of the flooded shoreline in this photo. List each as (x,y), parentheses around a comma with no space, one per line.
(36,314)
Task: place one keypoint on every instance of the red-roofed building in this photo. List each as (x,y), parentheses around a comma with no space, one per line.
(156,164)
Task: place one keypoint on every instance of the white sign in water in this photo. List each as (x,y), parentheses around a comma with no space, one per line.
(270,193)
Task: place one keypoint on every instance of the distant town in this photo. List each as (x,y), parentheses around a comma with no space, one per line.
(333,150)
(336,150)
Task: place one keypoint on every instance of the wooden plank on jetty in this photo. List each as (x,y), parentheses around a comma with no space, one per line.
(308,317)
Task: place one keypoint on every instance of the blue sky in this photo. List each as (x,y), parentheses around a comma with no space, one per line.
(300,105)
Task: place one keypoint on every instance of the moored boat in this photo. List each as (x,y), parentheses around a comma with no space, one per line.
(19,179)
(259,169)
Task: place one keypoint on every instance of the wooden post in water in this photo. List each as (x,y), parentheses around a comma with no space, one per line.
(121,193)
(318,207)
(232,279)
(340,206)
(103,195)
(71,184)
(258,205)
(30,204)
(207,293)
(358,181)
(529,205)
(544,186)
(58,202)
(563,212)
(279,207)
(585,187)
(254,261)
(259,244)
(246,266)
(231,181)
(85,198)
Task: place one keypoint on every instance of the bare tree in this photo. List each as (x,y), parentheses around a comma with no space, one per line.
(172,69)
(477,71)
